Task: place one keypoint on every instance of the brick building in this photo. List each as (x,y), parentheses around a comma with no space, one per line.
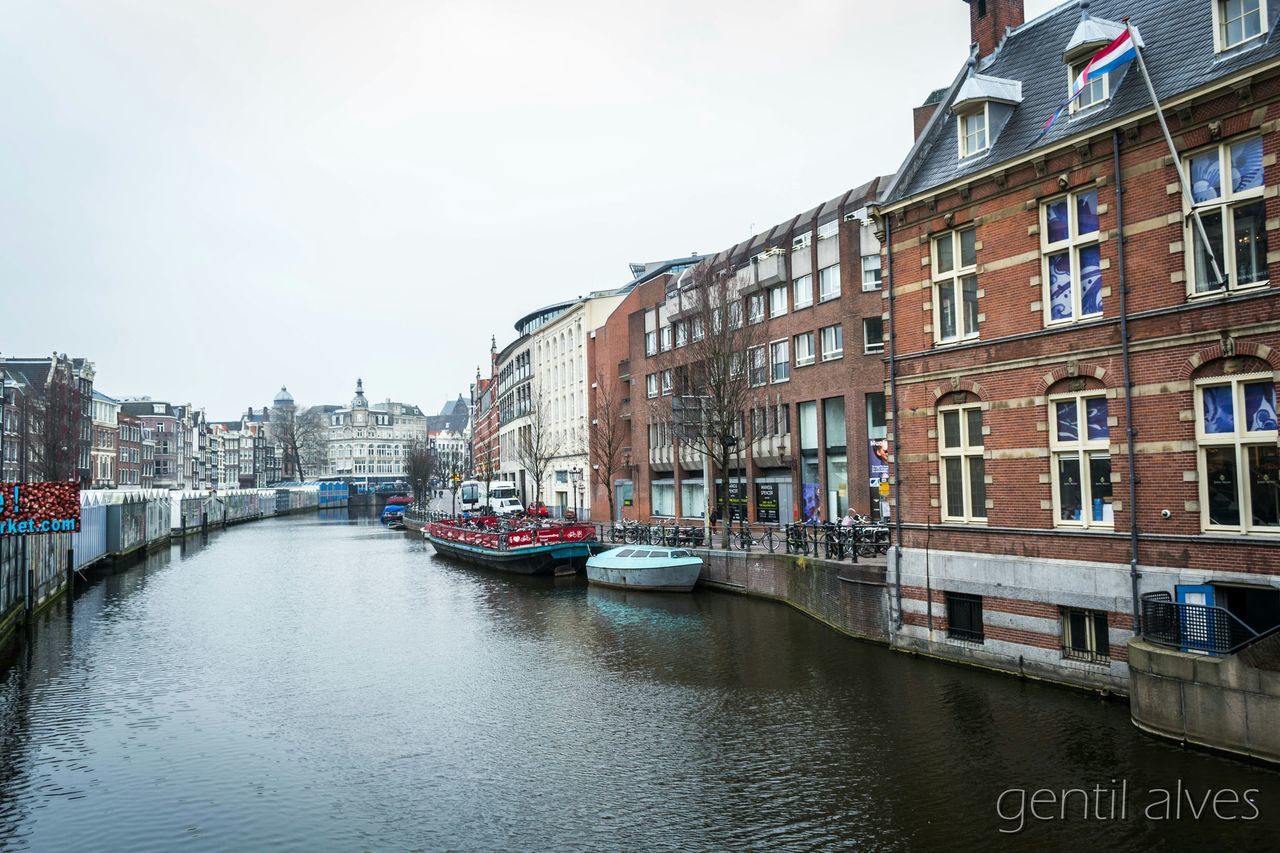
(49,430)
(485,456)
(129,459)
(1080,414)
(811,287)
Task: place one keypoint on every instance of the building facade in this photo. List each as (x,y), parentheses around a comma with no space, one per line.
(1081,411)
(808,292)
(168,429)
(50,407)
(129,456)
(103,455)
(370,443)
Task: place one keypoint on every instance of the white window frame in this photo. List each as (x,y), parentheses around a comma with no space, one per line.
(785,362)
(965,451)
(1073,71)
(833,354)
(734,311)
(808,340)
(1081,448)
(1091,617)
(777,307)
(682,333)
(1241,439)
(698,331)
(954,279)
(802,241)
(832,277)
(877,280)
(667,337)
(651,386)
(1073,244)
(1226,205)
(868,347)
(754,301)
(829,229)
(962,136)
(1220,26)
(666,383)
(806,300)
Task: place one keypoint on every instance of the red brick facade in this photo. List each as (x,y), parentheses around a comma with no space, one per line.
(1020,553)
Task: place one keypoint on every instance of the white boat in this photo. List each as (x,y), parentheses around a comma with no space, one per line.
(643,567)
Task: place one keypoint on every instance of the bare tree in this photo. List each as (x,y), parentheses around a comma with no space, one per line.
(301,435)
(54,428)
(421,466)
(717,374)
(537,443)
(607,434)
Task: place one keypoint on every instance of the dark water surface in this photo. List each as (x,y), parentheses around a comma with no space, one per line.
(323,684)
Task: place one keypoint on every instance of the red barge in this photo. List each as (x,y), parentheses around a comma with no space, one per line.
(554,548)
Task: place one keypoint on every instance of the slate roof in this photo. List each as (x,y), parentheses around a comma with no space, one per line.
(1178,35)
(780,235)
(146,408)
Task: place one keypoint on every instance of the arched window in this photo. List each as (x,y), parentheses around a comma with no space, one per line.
(1237,453)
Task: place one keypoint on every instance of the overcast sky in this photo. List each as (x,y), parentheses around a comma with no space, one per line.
(211,198)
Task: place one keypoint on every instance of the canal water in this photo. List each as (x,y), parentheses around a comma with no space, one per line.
(320,683)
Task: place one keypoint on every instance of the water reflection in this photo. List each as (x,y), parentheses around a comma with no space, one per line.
(323,682)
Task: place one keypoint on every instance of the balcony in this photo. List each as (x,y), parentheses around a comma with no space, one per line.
(691,457)
(772,451)
(764,272)
(662,458)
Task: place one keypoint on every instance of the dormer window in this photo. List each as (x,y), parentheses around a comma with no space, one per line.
(982,107)
(1238,21)
(973,133)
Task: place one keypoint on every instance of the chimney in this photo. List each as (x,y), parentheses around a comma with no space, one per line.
(988,20)
(921,114)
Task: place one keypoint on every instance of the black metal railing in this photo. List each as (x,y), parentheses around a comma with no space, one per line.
(825,541)
(1195,627)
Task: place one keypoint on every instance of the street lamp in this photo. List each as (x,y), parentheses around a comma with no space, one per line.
(575,474)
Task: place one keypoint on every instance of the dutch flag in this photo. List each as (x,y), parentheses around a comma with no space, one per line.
(1111,57)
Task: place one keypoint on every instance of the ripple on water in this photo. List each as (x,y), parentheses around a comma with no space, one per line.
(301,683)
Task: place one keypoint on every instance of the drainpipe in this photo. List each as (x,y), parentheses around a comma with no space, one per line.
(1130,432)
(897,447)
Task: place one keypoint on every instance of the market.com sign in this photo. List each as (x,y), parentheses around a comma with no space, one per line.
(28,509)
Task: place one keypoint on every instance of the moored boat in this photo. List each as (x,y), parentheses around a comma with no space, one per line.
(544,549)
(659,569)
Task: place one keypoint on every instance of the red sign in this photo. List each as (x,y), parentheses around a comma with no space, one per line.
(31,509)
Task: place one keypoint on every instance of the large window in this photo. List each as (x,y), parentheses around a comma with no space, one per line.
(1239,458)
(780,358)
(1231,208)
(651,385)
(955,286)
(1239,21)
(964,617)
(666,338)
(960,447)
(828,282)
(651,343)
(832,342)
(682,333)
(802,289)
(1072,266)
(804,349)
(777,301)
(873,334)
(973,132)
(1084,635)
(1081,466)
(666,383)
(755,308)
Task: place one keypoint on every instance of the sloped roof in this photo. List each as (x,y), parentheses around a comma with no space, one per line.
(1179,53)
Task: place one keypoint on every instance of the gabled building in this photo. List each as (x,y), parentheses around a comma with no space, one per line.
(1081,412)
(50,403)
(104,459)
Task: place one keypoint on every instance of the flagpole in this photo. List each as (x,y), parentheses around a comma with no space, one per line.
(1177,161)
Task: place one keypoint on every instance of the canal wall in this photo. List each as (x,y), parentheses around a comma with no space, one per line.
(850,597)
(1227,703)
(36,571)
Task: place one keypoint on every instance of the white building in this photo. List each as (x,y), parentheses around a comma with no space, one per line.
(546,368)
(371,443)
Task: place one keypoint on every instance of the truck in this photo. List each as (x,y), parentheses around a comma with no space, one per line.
(501,496)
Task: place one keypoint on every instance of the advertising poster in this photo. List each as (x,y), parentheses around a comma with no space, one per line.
(28,509)
(767,503)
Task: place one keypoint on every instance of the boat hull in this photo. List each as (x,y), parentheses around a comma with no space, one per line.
(537,560)
(680,577)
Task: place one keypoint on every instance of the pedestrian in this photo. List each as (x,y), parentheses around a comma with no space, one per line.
(850,518)
(715,517)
